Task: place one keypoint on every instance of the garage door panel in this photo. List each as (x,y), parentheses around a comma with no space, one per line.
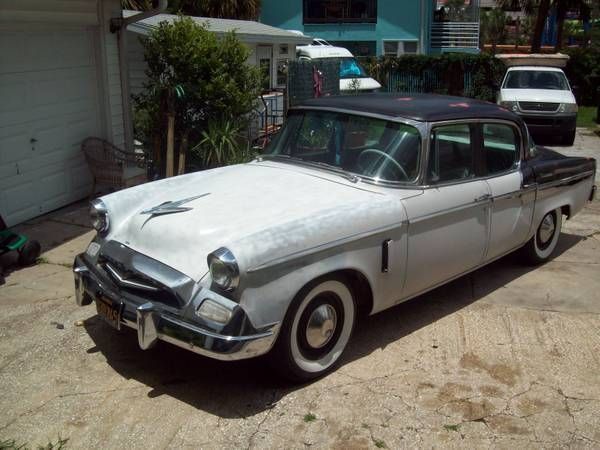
(77,48)
(81,178)
(13,92)
(49,139)
(13,145)
(48,92)
(54,185)
(12,51)
(17,199)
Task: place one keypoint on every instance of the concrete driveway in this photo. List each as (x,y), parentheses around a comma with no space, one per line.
(508,356)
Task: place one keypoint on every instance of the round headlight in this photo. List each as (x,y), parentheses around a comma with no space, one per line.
(99,216)
(223,268)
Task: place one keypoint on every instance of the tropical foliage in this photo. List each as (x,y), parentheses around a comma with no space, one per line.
(224,9)
(583,72)
(493,27)
(195,79)
(470,75)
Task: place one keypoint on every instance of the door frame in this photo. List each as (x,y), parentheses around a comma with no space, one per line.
(268,47)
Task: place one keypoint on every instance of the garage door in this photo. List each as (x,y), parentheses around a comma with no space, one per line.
(48,105)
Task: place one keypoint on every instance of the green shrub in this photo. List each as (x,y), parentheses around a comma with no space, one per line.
(583,72)
(442,74)
(222,143)
(200,78)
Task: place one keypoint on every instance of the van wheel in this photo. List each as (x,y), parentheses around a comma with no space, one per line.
(569,138)
(541,246)
(316,329)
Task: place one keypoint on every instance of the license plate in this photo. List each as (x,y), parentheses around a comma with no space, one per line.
(110,310)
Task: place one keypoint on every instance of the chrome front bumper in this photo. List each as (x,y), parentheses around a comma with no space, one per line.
(155,322)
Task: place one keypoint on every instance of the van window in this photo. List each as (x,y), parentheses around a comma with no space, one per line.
(536,79)
(350,68)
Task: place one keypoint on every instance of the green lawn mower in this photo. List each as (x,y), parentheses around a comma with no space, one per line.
(10,241)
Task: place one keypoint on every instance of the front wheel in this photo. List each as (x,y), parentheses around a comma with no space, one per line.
(542,244)
(316,329)
(569,138)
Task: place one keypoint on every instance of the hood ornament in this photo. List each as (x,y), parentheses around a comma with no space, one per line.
(172,207)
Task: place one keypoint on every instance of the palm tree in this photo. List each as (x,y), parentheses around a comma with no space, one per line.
(138,5)
(493,27)
(543,8)
(230,9)
(222,9)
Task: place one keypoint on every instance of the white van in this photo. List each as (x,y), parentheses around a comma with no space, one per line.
(350,69)
(536,88)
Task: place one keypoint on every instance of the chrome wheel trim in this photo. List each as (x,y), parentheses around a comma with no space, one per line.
(318,365)
(547,228)
(544,250)
(321,326)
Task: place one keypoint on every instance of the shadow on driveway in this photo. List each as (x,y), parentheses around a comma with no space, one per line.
(245,388)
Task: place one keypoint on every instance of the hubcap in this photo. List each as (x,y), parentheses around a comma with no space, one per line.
(547,228)
(321,326)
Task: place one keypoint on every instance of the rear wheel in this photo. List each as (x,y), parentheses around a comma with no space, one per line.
(316,329)
(542,244)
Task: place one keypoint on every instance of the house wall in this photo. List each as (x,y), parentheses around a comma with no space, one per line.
(396,20)
(137,64)
(111,74)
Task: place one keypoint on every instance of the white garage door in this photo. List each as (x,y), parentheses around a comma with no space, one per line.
(48,105)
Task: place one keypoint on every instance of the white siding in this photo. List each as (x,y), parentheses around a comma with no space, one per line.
(137,64)
(113,100)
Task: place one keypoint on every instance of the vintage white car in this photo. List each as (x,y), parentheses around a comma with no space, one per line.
(361,202)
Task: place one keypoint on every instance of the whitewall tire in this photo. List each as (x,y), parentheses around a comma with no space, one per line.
(543,243)
(316,329)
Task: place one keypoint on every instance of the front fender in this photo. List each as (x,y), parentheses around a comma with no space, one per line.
(269,291)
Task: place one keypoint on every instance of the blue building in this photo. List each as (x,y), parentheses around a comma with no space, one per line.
(381,27)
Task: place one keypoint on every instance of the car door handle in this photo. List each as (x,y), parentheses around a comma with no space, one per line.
(482,198)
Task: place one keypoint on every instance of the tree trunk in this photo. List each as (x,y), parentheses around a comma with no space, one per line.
(561,12)
(540,22)
(170,135)
(183,148)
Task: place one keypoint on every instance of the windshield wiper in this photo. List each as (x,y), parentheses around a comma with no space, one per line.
(344,173)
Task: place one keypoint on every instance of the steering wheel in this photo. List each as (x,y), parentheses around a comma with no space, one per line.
(386,156)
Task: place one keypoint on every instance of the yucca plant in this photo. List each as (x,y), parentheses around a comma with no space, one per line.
(219,144)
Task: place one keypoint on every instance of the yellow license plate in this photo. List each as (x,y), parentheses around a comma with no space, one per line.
(109,310)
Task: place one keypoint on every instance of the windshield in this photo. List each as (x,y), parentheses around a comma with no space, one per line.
(536,79)
(350,68)
(365,146)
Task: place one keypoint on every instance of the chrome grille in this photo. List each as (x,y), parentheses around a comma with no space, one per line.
(141,279)
(128,280)
(539,106)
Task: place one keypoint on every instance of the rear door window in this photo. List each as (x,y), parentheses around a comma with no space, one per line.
(500,147)
(451,154)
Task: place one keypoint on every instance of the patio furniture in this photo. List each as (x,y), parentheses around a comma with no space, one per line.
(113,167)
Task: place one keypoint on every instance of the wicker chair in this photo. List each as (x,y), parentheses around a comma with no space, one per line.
(111,166)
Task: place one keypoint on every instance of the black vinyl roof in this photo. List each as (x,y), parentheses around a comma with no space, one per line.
(420,107)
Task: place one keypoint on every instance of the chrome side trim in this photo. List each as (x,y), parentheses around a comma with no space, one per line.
(566,180)
(323,247)
(125,282)
(453,209)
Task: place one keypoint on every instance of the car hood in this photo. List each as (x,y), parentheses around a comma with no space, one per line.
(260,211)
(537,95)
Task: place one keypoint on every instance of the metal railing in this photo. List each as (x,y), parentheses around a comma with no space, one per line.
(455,34)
